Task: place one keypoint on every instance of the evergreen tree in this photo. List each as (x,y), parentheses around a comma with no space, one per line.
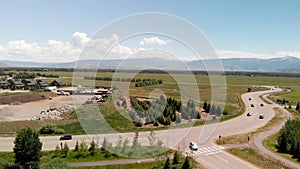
(175,158)
(219,111)
(186,164)
(27,149)
(178,119)
(212,111)
(204,105)
(65,150)
(76,147)
(207,108)
(93,148)
(135,142)
(167,164)
(104,144)
(125,146)
(198,116)
(297,107)
(57,151)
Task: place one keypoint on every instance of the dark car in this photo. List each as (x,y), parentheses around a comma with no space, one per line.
(261,105)
(249,114)
(66,137)
(252,105)
(250,98)
(261,116)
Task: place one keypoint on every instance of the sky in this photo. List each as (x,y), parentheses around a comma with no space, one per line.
(58,30)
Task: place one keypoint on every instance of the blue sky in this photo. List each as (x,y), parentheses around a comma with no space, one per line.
(264,27)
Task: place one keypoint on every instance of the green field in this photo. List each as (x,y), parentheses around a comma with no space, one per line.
(258,158)
(235,86)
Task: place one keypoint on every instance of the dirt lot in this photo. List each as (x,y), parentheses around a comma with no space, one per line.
(26,106)
(24,98)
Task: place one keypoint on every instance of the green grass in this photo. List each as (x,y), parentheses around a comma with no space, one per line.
(271,142)
(149,165)
(7,156)
(121,166)
(236,85)
(9,94)
(258,158)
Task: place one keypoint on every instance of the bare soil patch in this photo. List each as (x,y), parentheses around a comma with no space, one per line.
(25,98)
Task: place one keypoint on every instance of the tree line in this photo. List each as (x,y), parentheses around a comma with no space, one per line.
(213,110)
(138,82)
(27,150)
(26,75)
(289,138)
(161,111)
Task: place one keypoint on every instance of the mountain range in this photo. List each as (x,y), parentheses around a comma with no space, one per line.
(281,64)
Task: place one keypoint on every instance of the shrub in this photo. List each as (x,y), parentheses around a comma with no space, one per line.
(48,129)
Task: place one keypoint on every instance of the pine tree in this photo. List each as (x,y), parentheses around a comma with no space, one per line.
(167,164)
(135,142)
(297,107)
(186,164)
(212,111)
(204,105)
(93,148)
(198,116)
(207,108)
(175,158)
(219,111)
(27,149)
(65,150)
(104,144)
(76,147)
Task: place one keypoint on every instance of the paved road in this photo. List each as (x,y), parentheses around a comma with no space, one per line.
(258,141)
(209,154)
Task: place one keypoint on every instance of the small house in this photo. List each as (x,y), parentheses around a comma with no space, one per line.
(58,83)
(31,84)
(42,83)
(15,84)
(4,84)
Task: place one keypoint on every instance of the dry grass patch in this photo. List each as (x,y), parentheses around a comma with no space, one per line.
(258,158)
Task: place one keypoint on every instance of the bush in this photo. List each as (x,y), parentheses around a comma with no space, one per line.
(48,129)
(59,131)
(56,163)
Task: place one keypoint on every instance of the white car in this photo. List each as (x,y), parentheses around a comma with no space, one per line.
(193,146)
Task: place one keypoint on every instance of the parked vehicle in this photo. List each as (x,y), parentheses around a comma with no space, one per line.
(249,114)
(252,105)
(193,146)
(261,116)
(66,137)
(261,105)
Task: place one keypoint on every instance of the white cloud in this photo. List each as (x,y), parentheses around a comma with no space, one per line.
(80,39)
(153,41)
(85,47)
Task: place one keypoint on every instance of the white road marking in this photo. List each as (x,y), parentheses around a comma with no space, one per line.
(209,150)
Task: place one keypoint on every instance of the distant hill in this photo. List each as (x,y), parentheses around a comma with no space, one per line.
(282,64)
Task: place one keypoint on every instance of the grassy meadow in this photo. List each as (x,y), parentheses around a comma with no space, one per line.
(235,86)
